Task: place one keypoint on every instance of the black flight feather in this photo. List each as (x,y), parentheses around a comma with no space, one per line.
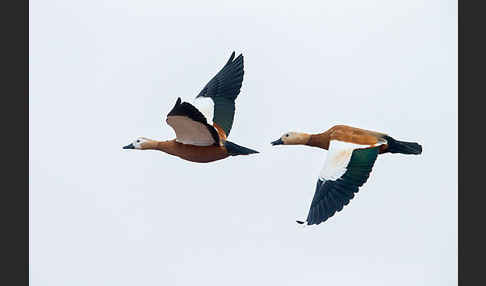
(331,196)
(223,89)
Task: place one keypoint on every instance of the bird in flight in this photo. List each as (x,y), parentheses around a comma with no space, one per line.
(350,158)
(202,127)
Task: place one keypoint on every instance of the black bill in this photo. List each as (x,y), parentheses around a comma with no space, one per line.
(129,146)
(277,142)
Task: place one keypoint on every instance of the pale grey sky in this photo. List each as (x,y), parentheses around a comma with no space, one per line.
(105,72)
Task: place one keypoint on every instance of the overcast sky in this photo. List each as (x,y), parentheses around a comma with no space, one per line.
(105,72)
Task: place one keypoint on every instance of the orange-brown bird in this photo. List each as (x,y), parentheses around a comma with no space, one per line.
(352,153)
(202,127)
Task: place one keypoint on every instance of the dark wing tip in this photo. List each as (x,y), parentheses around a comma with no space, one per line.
(231,57)
(233,60)
(251,151)
(178,102)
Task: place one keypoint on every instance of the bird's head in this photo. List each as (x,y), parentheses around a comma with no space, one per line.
(292,138)
(140,143)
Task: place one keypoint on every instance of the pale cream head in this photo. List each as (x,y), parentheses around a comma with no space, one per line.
(292,138)
(140,143)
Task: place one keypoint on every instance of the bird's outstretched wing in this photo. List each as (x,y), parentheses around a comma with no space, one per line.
(347,168)
(222,89)
(190,125)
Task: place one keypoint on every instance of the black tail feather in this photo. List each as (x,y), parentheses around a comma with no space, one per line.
(395,146)
(235,149)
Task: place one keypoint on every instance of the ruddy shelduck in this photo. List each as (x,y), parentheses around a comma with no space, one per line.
(352,153)
(202,127)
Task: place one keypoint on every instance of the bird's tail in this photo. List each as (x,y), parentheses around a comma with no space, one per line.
(235,149)
(402,147)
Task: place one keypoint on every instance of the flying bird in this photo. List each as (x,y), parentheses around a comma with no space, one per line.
(202,127)
(350,158)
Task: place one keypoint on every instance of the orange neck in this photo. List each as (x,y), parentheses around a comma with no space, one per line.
(320,140)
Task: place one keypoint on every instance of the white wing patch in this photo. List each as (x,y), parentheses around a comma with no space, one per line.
(189,131)
(338,157)
(206,106)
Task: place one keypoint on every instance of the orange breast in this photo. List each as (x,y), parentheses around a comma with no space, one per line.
(319,140)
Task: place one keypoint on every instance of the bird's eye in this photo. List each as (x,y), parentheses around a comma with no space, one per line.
(138,141)
(286,135)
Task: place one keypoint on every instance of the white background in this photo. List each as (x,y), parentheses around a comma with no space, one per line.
(105,72)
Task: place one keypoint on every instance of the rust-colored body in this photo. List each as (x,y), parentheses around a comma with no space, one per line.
(198,154)
(347,134)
